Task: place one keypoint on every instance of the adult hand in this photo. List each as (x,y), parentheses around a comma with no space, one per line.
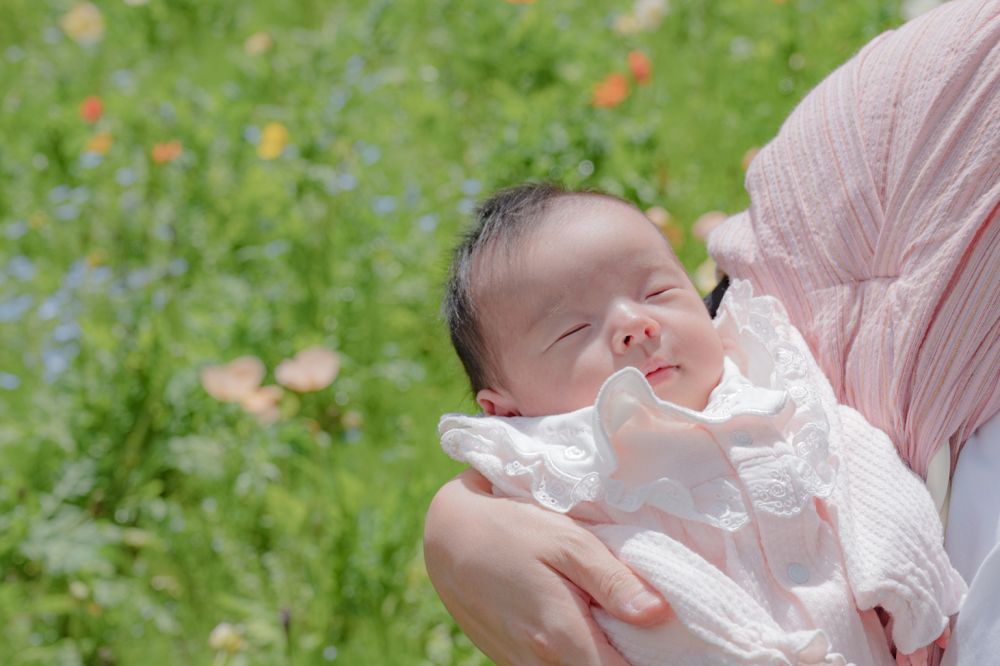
(519,580)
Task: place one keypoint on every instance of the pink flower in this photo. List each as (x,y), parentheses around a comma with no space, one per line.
(704,225)
(263,403)
(233,381)
(312,369)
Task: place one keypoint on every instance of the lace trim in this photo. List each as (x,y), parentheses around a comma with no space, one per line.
(781,485)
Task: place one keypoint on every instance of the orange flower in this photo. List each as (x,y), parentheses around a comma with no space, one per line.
(273,140)
(166,151)
(233,381)
(263,403)
(312,369)
(610,92)
(661,218)
(91,109)
(641,67)
(748,157)
(704,224)
(99,143)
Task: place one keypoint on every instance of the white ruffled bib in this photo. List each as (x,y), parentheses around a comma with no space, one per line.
(573,458)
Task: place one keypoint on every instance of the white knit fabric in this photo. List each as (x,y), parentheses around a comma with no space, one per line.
(773,522)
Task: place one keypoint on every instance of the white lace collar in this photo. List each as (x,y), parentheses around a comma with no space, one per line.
(570,457)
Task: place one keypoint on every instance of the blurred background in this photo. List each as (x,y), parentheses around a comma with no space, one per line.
(223,227)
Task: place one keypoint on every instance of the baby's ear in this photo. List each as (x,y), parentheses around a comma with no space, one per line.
(496,404)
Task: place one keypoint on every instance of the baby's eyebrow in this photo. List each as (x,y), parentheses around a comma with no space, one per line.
(550,308)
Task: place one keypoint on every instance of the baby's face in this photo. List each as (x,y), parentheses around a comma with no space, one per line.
(595,289)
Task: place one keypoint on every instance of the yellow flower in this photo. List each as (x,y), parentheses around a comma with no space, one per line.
(99,143)
(233,381)
(705,277)
(257,43)
(312,369)
(627,24)
(96,258)
(273,140)
(83,24)
(352,419)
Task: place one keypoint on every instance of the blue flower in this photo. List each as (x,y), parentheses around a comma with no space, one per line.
(21,268)
(15,308)
(9,381)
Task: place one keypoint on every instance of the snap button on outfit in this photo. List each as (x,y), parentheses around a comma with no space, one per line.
(798,573)
(741,438)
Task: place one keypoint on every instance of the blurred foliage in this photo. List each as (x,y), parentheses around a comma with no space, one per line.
(256,177)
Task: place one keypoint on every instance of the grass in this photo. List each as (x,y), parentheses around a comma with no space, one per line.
(323,171)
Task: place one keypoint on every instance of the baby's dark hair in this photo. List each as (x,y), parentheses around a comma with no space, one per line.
(501,222)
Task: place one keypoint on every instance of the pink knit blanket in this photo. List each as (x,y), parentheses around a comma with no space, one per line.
(875,219)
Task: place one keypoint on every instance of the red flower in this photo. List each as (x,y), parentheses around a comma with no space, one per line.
(610,92)
(91,109)
(641,67)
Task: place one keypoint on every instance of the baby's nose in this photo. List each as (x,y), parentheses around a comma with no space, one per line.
(636,330)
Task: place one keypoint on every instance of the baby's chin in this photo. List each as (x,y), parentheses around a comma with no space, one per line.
(689,399)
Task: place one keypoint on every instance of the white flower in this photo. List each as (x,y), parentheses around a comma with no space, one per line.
(911,9)
(650,13)
(83,24)
(225,637)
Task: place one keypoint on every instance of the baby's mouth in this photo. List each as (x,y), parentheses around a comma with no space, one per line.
(660,374)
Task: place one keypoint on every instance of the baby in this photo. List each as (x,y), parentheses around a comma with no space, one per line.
(710,456)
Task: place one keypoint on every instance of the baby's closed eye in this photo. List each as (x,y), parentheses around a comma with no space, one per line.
(571,331)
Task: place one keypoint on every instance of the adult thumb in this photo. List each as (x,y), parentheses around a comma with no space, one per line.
(612,585)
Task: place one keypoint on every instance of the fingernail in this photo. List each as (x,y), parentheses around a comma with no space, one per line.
(643,600)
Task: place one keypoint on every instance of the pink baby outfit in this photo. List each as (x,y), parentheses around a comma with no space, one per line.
(773,522)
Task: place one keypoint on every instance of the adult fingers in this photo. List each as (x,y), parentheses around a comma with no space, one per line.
(489,559)
(943,639)
(589,564)
(566,634)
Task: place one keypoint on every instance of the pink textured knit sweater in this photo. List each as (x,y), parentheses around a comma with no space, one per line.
(874,219)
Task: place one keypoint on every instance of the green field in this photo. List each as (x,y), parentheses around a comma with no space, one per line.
(258,177)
